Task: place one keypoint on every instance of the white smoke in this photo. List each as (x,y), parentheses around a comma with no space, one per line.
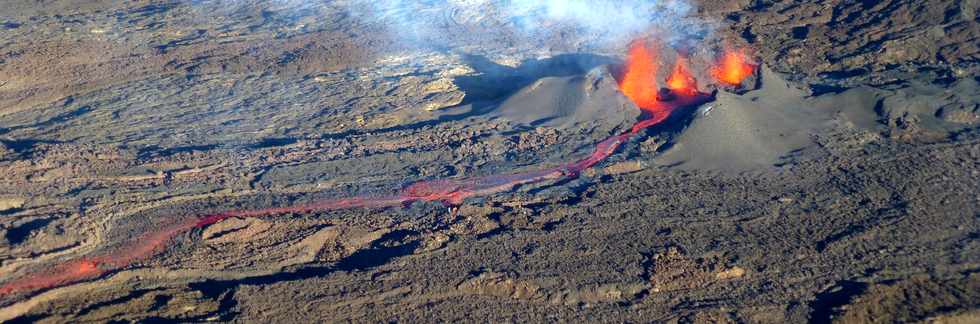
(613,19)
(595,22)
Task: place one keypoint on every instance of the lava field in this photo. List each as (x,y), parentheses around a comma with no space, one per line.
(682,161)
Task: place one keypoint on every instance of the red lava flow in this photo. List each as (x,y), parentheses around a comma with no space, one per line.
(638,83)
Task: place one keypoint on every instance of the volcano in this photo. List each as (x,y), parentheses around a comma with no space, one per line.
(565,106)
(489,161)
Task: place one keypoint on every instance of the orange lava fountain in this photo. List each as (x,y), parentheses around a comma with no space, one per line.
(680,80)
(639,83)
(733,67)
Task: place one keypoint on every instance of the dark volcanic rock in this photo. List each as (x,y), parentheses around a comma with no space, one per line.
(850,42)
(119,118)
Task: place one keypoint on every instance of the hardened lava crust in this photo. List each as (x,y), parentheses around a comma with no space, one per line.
(299,161)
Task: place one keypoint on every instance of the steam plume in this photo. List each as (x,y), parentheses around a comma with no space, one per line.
(578,22)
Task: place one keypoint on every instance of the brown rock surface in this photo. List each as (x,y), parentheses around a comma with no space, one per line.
(840,185)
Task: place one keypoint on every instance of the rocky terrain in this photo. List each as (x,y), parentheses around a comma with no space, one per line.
(840,185)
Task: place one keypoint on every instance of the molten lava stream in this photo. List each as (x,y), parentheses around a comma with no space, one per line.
(638,84)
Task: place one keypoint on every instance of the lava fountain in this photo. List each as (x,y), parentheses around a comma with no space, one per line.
(733,67)
(639,78)
(681,81)
(638,82)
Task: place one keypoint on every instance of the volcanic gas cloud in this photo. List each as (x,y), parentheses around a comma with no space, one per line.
(638,82)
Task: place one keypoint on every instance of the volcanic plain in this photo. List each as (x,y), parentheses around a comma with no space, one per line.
(193,160)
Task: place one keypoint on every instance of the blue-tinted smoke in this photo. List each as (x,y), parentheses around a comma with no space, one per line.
(612,19)
(593,22)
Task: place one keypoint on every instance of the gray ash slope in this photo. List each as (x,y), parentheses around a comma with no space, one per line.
(582,109)
(764,128)
(591,101)
(749,131)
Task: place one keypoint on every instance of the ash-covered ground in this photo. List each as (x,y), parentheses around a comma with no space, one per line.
(839,185)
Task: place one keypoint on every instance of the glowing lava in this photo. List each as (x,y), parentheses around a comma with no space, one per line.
(639,80)
(86,268)
(680,80)
(733,67)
